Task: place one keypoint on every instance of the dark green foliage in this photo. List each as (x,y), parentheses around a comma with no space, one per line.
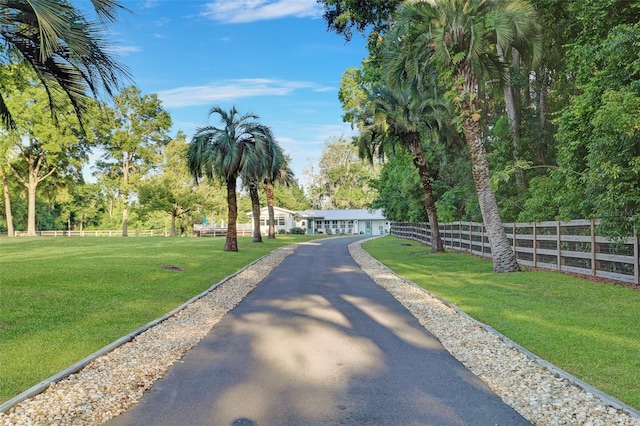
(400,193)
(599,138)
(345,16)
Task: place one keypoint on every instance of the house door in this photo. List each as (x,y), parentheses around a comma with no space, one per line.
(367,227)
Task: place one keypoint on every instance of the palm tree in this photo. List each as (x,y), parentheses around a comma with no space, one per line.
(464,38)
(401,119)
(68,53)
(283,175)
(224,152)
(255,172)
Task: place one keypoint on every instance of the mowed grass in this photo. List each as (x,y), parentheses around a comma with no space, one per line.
(61,299)
(588,329)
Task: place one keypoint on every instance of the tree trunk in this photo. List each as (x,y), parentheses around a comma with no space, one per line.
(231,244)
(429,201)
(269,191)
(174,213)
(32,185)
(255,206)
(504,259)
(511,106)
(125,217)
(125,198)
(7,205)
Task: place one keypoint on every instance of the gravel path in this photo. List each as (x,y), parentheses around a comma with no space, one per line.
(112,383)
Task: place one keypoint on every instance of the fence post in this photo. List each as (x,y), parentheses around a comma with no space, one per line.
(636,256)
(558,242)
(593,247)
(535,244)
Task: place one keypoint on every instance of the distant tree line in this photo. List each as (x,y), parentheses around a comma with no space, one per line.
(486,110)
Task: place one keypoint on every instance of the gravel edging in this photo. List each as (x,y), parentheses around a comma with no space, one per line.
(539,391)
(108,382)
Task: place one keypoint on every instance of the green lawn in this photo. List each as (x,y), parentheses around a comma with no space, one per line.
(62,299)
(590,330)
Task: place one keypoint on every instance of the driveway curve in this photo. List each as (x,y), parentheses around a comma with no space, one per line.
(318,342)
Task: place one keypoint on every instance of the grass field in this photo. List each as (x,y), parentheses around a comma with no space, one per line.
(62,299)
(588,329)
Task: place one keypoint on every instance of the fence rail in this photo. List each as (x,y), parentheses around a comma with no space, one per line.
(97,233)
(572,246)
(242,229)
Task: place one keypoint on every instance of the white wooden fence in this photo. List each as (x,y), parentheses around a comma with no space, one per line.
(98,233)
(243,230)
(572,246)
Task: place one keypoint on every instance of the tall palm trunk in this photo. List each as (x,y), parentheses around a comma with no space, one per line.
(255,207)
(231,244)
(7,204)
(504,259)
(511,106)
(270,193)
(429,200)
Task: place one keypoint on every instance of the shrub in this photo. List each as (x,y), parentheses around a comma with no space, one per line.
(299,231)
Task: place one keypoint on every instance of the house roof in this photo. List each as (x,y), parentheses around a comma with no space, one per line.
(264,211)
(345,214)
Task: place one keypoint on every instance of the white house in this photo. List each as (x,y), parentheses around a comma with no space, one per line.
(339,222)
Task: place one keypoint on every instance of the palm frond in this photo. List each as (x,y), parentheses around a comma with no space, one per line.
(68,53)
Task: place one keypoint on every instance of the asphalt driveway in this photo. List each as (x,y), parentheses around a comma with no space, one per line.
(319,343)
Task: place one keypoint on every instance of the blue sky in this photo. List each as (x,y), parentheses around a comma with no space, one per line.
(274,58)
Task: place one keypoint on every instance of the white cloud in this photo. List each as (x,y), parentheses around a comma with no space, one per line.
(150,4)
(238,11)
(228,90)
(162,22)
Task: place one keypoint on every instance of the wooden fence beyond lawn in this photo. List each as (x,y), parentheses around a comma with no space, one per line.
(243,230)
(572,246)
(98,233)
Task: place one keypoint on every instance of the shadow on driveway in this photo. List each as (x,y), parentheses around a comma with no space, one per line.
(318,342)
